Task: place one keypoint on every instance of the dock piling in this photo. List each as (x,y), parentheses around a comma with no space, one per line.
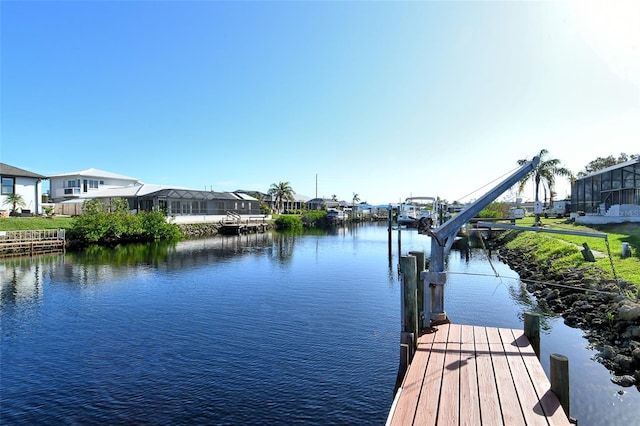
(532,330)
(559,378)
(420,266)
(409,296)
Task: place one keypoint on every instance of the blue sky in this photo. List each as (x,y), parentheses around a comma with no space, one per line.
(383,99)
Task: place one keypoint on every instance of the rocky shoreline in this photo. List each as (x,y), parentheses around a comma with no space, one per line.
(199,230)
(607,311)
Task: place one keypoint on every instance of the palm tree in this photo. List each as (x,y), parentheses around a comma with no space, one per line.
(355,199)
(281,191)
(15,200)
(545,173)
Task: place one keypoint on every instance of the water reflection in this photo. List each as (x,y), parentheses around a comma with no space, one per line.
(22,278)
(183,322)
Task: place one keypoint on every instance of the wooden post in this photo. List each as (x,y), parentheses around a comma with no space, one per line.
(532,330)
(399,241)
(409,294)
(390,219)
(420,266)
(406,352)
(559,372)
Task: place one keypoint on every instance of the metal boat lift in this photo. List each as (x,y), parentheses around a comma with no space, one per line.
(442,239)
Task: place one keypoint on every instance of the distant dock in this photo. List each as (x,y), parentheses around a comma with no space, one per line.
(31,243)
(236,225)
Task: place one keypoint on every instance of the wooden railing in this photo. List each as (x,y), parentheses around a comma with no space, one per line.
(31,242)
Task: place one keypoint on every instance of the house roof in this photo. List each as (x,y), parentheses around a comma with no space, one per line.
(7,170)
(614,167)
(138,190)
(145,189)
(97,173)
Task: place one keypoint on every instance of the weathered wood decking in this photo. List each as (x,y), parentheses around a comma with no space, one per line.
(30,243)
(470,375)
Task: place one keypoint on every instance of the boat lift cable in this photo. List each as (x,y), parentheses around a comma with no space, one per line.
(488,255)
(545,283)
(487,184)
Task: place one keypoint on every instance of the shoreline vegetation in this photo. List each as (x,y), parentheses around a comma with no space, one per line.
(601,298)
(559,252)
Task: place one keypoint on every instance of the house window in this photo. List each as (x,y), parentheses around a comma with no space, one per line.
(7,185)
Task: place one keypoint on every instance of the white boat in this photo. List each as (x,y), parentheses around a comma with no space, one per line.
(407,215)
(417,209)
(336,215)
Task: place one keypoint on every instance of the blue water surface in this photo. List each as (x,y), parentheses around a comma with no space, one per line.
(253,329)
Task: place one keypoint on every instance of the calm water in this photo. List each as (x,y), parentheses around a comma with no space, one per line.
(257,329)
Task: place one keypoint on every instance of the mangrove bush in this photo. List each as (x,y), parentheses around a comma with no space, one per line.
(111,223)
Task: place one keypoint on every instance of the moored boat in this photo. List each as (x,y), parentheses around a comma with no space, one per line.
(335,215)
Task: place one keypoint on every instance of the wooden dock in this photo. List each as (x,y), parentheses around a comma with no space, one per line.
(470,375)
(237,228)
(30,243)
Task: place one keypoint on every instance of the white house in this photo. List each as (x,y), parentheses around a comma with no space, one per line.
(85,184)
(183,205)
(24,183)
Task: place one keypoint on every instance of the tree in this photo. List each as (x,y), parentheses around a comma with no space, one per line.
(545,174)
(15,200)
(281,191)
(355,199)
(602,163)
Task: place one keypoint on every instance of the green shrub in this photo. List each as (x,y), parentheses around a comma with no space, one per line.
(496,210)
(107,224)
(314,219)
(291,222)
(156,227)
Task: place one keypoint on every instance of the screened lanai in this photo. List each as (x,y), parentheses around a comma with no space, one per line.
(182,202)
(617,186)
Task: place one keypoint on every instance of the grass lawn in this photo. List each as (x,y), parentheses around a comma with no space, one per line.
(565,250)
(34,223)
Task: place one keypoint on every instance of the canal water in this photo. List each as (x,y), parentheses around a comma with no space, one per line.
(253,329)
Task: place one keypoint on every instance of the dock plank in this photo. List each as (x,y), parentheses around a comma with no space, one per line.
(412,383)
(548,401)
(469,396)
(533,414)
(470,375)
(449,407)
(427,410)
(509,404)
